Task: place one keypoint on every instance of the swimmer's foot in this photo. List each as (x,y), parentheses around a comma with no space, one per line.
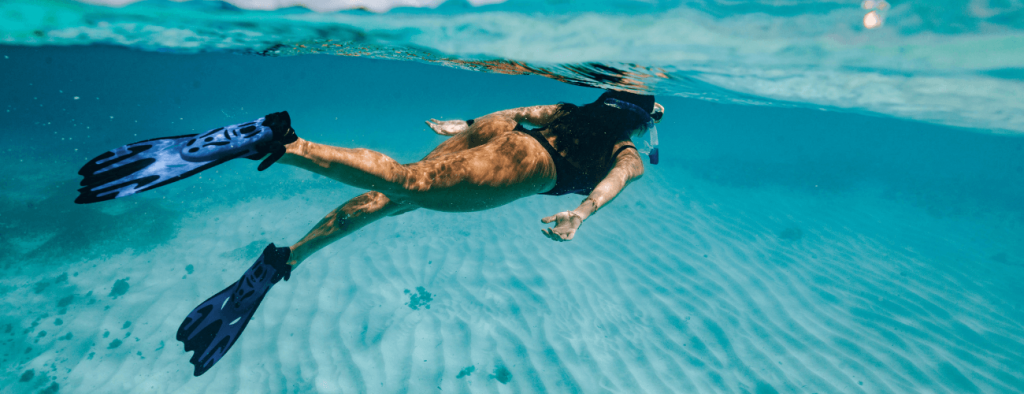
(149,164)
(215,325)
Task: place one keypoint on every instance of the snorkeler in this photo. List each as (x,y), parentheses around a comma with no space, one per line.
(488,162)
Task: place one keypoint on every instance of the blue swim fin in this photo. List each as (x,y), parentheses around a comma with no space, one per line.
(148,164)
(214,326)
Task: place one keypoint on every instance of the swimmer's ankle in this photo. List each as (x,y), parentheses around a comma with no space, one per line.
(293,257)
(297,147)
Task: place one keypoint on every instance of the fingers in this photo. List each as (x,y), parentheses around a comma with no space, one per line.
(548,219)
(551,234)
(556,236)
(437,129)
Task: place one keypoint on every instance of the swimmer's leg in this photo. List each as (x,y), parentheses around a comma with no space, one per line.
(362,168)
(505,168)
(374,170)
(345,220)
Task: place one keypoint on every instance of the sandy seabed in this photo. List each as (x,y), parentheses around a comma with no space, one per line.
(681,285)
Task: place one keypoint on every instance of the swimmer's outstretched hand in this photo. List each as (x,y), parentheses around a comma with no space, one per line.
(448,127)
(566,224)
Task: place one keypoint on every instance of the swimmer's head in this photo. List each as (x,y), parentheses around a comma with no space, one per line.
(644,102)
(641,119)
(644,113)
(586,131)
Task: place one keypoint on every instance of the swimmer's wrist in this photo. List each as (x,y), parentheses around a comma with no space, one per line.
(579,215)
(587,208)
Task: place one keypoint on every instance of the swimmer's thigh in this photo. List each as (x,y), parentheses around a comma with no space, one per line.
(508,167)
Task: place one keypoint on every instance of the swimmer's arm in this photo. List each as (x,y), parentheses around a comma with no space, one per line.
(628,168)
(537,115)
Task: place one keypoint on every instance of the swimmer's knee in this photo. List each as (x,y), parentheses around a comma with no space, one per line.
(370,201)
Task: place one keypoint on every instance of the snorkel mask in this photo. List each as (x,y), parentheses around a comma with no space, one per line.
(648,147)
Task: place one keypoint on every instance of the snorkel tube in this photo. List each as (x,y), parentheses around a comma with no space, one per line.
(649,147)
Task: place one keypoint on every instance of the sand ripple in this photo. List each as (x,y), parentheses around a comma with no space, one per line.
(679,286)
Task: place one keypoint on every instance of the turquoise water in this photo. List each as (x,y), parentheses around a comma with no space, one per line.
(839,212)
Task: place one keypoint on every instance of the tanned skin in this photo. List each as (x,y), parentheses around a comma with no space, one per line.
(483,166)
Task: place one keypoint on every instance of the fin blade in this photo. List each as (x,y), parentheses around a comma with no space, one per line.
(138,167)
(208,329)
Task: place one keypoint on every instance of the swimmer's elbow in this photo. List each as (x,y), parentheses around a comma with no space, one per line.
(635,172)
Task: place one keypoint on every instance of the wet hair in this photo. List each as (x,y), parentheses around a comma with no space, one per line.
(586,134)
